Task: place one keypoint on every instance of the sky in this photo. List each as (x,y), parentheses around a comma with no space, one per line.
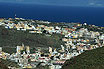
(96,3)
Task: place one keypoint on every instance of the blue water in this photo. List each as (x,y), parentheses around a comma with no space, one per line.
(91,15)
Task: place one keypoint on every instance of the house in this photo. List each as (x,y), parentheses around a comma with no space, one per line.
(101,37)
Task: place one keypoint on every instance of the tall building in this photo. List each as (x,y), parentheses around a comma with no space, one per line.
(63,49)
(50,49)
(18,49)
(15,16)
(0,49)
(27,49)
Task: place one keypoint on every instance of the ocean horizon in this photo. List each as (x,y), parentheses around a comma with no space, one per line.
(90,15)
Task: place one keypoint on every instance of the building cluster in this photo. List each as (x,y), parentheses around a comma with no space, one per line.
(76,42)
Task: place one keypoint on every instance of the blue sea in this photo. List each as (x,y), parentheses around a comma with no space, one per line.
(91,15)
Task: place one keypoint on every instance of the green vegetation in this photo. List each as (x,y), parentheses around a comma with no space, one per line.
(93,59)
(10,38)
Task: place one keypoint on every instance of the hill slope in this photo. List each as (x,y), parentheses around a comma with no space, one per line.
(11,38)
(93,59)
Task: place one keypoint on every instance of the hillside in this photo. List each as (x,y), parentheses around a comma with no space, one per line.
(93,59)
(10,38)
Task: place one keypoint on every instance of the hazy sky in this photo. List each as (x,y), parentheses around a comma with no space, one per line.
(98,3)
